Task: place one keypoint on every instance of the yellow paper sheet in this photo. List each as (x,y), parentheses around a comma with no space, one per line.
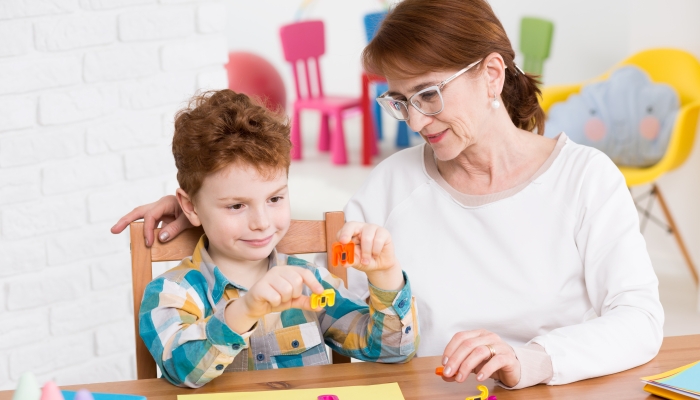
(387,391)
(668,373)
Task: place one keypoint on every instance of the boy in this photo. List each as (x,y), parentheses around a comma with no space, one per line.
(237,304)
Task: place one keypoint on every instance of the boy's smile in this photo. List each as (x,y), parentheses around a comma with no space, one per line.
(244,214)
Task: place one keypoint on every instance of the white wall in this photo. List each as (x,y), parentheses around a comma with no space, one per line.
(87,94)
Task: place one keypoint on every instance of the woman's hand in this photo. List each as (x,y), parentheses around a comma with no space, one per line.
(374,254)
(467,352)
(280,289)
(166,210)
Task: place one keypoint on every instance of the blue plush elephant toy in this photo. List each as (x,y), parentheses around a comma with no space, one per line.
(627,117)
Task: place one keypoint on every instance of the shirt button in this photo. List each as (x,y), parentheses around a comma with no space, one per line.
(295,344)
(402,303)
(236,346)
(260,357)
(408,329)
(219,367)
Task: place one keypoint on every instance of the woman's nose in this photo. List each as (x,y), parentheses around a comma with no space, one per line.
(417,120)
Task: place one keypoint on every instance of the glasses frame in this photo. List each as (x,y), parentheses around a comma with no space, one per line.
(384,99)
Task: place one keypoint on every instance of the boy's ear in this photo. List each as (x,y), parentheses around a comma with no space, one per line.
(187,207)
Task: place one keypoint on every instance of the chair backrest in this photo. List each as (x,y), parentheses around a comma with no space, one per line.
(303,237)
(535,42)
(303,42)
(675,67)
(372,22)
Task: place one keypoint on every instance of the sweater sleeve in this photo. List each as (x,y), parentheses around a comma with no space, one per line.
(620,282)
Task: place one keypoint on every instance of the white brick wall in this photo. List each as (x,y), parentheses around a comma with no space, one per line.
(88,90)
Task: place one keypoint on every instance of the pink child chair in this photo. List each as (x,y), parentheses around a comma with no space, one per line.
(305,41)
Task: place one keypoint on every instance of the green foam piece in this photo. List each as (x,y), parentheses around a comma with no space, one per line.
(27,388)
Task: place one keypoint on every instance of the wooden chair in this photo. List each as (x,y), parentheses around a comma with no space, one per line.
(302,237)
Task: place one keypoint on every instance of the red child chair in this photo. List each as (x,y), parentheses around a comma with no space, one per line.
(305,41)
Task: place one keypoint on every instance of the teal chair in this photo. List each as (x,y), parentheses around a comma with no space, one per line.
(535,42)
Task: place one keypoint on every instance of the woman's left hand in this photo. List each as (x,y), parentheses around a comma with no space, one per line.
(468,352)
(374,254)
(374,250)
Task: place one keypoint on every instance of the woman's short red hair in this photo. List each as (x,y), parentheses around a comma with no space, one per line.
(218,128)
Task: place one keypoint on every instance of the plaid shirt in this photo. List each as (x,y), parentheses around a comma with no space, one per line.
(182,323)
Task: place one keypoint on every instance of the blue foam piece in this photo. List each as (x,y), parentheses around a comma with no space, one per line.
(70,395)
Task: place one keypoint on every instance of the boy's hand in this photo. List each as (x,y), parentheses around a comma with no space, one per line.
(374,254)
(280,289)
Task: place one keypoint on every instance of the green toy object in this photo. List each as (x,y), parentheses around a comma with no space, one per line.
(27,388)
(535,42)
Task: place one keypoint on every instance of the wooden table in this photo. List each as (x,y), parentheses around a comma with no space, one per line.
(417,379)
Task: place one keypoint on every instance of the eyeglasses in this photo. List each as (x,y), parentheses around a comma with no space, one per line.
(427,101)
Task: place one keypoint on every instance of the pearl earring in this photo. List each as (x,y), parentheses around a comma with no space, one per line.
(495,103)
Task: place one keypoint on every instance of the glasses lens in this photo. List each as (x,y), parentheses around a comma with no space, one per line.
(428,101)
(395,108)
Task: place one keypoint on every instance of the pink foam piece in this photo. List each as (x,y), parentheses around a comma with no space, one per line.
(51,392)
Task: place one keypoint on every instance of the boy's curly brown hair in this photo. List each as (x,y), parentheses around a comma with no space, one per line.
(221,127)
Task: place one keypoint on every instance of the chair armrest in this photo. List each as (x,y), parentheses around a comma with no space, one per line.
(554,94)
(679,148)
(683,135)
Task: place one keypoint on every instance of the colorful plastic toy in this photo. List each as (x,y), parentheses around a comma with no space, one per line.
(51,392)
(343,254)
(328,397)
(439,370)
(483,396)
(492,398)
(27,388)
(84,394)
(327,298)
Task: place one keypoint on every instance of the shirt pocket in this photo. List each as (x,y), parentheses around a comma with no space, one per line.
(292,346)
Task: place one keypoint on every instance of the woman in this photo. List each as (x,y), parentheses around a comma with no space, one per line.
(525,252)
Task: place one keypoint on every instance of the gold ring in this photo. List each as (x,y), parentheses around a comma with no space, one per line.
(491,349)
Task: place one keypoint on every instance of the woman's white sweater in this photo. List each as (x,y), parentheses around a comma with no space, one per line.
(558,261)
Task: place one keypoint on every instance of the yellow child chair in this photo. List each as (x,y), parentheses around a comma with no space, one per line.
(680,70)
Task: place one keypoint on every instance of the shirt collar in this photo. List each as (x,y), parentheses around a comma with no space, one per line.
(216,280)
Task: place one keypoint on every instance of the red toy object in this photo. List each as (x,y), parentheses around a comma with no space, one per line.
(328,397)
(253,75)
(492,398)
(439,370)
(343,254)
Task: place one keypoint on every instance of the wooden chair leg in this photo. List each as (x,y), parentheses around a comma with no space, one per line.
(340,359)
(676,233)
